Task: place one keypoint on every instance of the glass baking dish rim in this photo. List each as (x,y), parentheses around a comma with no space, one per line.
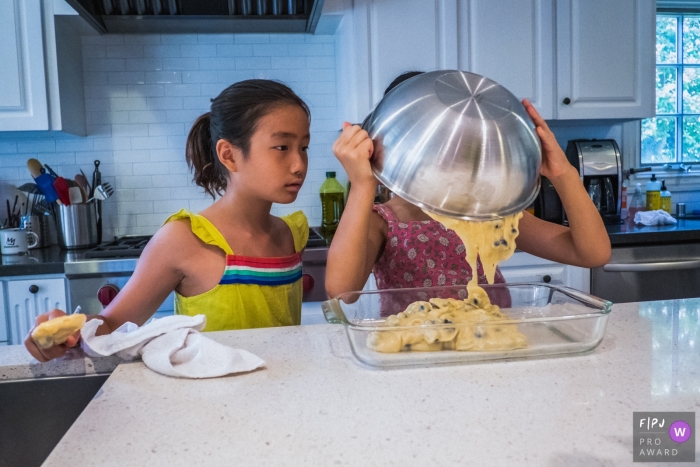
(332,316)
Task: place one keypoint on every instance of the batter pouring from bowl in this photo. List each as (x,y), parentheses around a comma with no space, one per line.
(404,247)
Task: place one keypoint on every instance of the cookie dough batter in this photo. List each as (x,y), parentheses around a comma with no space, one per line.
(58,330)
(476,319)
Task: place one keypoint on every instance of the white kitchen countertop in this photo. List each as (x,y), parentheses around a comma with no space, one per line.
(314,404)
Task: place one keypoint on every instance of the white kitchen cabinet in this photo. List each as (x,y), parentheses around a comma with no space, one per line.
(573,59)
(393,37)
(42,74)
(511,42)
(23,101)
(606,59)
(28,298)
(524,267)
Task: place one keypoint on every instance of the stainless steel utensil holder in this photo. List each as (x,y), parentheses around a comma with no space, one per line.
(76,226)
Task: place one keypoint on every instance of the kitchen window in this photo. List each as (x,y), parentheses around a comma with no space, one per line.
(673,136)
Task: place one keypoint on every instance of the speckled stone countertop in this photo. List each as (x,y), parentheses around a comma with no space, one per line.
(314,404)
(629,234)
(16,364)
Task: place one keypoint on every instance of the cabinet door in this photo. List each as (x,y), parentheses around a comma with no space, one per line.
(27,299)
(510,42)
(605,58)
(23,97)
(394,37)
(524,267)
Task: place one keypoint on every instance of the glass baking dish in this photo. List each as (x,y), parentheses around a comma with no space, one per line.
(554,320)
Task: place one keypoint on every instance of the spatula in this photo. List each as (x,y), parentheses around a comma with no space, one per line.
(43,180)
(61,188)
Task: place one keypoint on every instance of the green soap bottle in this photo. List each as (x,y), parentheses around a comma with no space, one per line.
(332,204)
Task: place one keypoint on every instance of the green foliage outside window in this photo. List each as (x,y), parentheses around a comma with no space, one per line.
(673,136)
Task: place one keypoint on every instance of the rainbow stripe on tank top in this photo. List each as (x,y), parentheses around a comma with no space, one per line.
(262,271)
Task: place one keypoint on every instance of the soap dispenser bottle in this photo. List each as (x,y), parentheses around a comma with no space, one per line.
(653,194)
(665,198)
(636,204)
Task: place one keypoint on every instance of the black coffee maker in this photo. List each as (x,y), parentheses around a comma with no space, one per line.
(599,165)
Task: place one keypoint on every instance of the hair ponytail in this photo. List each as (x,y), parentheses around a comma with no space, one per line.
(233,117)
(201,157)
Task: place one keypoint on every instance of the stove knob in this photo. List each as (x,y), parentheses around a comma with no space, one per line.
(107,293)
(307,282)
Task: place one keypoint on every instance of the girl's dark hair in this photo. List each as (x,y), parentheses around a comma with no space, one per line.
(234,116)
(401,78)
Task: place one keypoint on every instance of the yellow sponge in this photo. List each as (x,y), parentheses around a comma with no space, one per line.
(58,330)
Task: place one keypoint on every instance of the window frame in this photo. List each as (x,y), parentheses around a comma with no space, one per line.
(632,132)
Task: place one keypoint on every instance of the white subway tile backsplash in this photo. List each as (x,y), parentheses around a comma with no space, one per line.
(172,181)
(149,143)
(160,155)
(132,155)
(163,77)
(252,63)
(198,102)
(146,116)
(74,144)
(271,50)
(143,64)
(107,39)
(215,39)
(111,143)
(88,157)
(187,116)
(124,129)
(136,39)
(254,38)
(8,147)
(151,168)
(164,129)
(199,77)
(198,51)
(164,103)
(233,50)
(285,63)
(126,103)
(179,90)
(39,146)
(142,94)
(178,39)
(225,79)
(124,51)
(145,90)
(11,173)
(190,63)
(126,77)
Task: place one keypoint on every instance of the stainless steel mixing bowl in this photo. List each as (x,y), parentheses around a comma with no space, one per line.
(457,144)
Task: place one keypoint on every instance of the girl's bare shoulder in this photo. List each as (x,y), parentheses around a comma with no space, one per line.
(174,242)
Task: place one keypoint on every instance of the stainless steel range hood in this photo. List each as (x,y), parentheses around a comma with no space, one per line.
(199,16)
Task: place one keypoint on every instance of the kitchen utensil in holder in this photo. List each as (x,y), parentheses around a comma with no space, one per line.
(76,226)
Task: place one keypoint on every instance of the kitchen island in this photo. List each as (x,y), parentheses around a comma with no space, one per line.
(314,404)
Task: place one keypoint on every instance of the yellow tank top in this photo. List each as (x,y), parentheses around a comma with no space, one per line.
(253,292)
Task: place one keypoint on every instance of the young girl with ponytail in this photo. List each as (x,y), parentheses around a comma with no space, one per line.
(234,262)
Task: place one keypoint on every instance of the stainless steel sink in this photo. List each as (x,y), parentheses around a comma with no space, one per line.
(35,414)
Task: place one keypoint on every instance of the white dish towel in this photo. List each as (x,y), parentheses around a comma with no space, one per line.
(658,217)
(172,346)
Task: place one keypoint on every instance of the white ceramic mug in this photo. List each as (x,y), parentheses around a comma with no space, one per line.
(16,241)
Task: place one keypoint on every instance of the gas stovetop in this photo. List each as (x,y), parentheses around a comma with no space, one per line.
(120,247)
